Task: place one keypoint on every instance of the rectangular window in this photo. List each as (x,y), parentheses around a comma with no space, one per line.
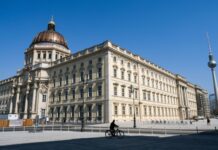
(123,91)
(39,55)
(115,73)
(153,97)
(115,110)
(90,91)
(149,95)
(44,55)
(130,110)
(54,82)
(136,94)
(137,111)
(49,56)
(81,93)
(99,112)
(122,75)
(135,78)
(73,93)
(42,112)
(145,111)
(144,95)
(53,97)
(60,81)
(59,96)
(90,74)
(115,90)
(129,77)
(67,80)
(90,112)
(130,93)
(74,78)
(99,90)
(66,95)
(43,98)
(123,110)
(99,72)
(82,76)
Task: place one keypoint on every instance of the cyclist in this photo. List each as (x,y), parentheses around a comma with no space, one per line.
(112,126)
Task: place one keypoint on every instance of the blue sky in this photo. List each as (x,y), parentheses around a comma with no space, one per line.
(170,33)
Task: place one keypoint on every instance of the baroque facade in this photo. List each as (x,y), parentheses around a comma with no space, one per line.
(105,80)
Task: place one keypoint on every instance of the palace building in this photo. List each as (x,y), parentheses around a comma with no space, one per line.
(103,82)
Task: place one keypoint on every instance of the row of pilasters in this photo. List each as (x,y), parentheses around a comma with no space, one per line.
(183,102)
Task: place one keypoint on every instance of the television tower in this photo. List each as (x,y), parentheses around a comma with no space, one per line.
(212,66)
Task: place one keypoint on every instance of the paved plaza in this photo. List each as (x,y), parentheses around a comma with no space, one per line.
(57,140)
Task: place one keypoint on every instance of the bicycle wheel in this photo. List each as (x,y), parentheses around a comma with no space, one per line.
(120,134)
(108,134)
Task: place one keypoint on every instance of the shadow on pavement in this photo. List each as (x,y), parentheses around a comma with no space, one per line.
(201,141)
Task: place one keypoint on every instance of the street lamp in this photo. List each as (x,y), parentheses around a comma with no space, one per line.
(83,104)
(134,119)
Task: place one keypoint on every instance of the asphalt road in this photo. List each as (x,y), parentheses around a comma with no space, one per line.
(202,141)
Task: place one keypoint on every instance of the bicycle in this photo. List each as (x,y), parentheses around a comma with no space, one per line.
(117,133)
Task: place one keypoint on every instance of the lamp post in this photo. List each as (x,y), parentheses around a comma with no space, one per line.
(83,104)
(134,119)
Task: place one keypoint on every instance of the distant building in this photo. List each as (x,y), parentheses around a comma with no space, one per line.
(212,104)
(202,102)
(60,84)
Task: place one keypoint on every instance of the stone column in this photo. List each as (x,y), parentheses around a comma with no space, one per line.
(11,105)
(26,102)
(17,100)
(34,99)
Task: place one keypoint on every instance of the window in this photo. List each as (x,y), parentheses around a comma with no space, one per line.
(90,92)
(99,72)
(53,97)
(123,110)
(149,95)
(99,60)
(39,55)
(60,80)
(72,112)
(56,56)
(49,55)
(99,112)
(123,91)
(115,59)
(137,111)
(128,64)
(66,80)
(42,112)
(122,62)
(99,90)
(43,98)
(148,82)
(134,66)
(54,82)
(122,75)
(135,78)
(59,96)
(90,112)
(145,110)
(136,94)
(73,93)
(90,62)
(44,55)
(66,95)
(115,110)
(130,93)
(129,77)
(81,93)
(82,76)
(130,110)
(90,74)
(115,90)
(74,78)
(153,96)
(143,80)
(144,95)
(115,73)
